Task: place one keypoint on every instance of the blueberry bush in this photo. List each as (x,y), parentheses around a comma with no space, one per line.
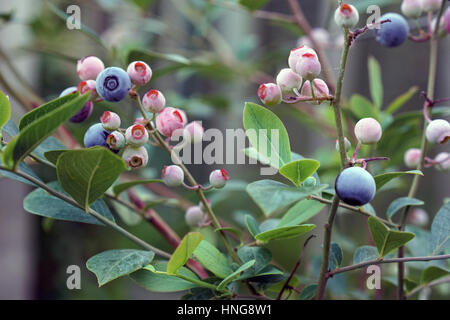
(106,152)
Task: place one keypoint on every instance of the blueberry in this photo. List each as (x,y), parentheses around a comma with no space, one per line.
(394,33)
(96,136)
(113,84)
(84,113)
(355,186)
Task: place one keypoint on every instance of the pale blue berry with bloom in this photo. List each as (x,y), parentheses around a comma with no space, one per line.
(288,80)
(438,131)
(116,140)
(135,157)
(346,16)
(88,68)
(269,94)
(173,175)
(140,73)
(218,178)
(110,120)
(136,135)
(153,101)
(368,131)
(194,216)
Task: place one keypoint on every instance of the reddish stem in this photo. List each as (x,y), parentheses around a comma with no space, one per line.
(165,230)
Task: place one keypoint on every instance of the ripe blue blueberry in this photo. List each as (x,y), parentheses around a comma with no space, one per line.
(394,33)
(355,186)
(113,84)
(96,136)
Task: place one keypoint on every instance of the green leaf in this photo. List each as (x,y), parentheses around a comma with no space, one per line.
(272,195)
(252,225)
(299,170)
(260,255)
(5,110)
(42,110)
(301,212)
(363,108)
(365,253)
(382,179)
(235,274)
(121,187)
(184,251)
(22,167)
(232,230)
(36,132)
(212,259)
(440,229)
(112,264)
(387,240)
(308,292)
(163,282)
(267,134)
(433,273)
(40,202)
(284,232)
(375,82)
(253,5)
(87,173)
(400,203)
(253,154)
(53,155)
(401,100)
(335,259)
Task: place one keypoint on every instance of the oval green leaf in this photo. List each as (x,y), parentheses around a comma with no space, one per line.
(183,252)
(299,170)
(400,203)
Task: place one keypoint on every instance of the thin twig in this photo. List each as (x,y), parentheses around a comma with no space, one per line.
(286,284)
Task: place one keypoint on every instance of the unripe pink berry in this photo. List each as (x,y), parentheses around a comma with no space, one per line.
(431,5)
(412,157)
(195,216)
(218,178)
(140,73)
(154,101)
(269,94)
(368,131)
(110,120)
(169,120)
(193,132)
(140,120)
(136,135)
(89,67)
(173,176)
(418,217)
(308,66)
(202,206)
(438,131)
(295,54)
(288,80)
(135,157)
(444,160)
(116,140)
(85,86)
(320,89)
(346,143)
(411,8)
(346,16)
(446,19)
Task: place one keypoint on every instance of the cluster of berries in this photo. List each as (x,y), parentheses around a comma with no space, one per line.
(355,185)
(113,84)
(295,81)
(395,32)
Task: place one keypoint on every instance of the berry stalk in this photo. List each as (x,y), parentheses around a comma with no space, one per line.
(415,183)
(343,155)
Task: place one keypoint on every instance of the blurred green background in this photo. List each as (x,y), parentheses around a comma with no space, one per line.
(208,58)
